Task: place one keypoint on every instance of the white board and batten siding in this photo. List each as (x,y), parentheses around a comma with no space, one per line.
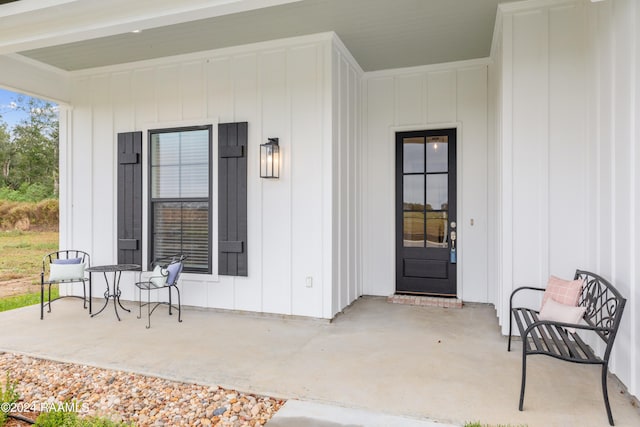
(430,97)
(542,147)
(566,91)
(283,89)
(347,148)
(613,128)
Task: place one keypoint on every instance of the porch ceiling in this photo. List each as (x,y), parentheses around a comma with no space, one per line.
(381,34)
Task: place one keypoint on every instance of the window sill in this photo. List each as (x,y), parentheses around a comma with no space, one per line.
(200,277)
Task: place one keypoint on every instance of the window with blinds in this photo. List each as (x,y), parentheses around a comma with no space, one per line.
(180,190)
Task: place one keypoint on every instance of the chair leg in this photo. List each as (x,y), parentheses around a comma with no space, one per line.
(605,394)
(179,305)
(510,322)
(49,308)
(84,295)
(524,375)
(90,294)
(41,301)
(149,309)
(170,302)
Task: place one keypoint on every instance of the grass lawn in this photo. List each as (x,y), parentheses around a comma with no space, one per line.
(22,253)
(20,266)
(17,301)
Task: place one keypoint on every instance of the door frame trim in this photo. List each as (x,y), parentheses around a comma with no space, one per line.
(459,187)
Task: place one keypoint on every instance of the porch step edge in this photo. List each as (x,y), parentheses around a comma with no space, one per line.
(425,301)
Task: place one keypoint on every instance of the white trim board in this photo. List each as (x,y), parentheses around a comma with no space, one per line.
(445,66)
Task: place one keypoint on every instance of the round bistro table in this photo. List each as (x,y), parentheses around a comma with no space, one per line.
(117,270)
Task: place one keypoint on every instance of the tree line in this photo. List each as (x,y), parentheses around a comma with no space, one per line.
(29,152)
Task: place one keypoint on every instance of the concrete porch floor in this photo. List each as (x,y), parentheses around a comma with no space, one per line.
(449,365)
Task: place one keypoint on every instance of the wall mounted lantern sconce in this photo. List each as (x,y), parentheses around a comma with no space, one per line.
(270,159)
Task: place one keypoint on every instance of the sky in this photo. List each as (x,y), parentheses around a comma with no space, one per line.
(8,112)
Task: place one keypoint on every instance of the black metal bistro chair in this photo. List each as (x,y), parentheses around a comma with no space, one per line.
(165,275)
(66,266)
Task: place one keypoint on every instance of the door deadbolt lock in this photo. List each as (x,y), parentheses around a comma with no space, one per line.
(453,225)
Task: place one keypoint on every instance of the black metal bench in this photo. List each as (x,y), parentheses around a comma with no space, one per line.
(604,307)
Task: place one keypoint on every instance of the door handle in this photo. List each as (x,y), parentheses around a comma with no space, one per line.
(453,257)
(453,235)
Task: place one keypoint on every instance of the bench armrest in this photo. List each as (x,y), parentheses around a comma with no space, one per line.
(522,288)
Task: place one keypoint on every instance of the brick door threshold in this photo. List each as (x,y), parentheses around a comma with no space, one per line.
(425,301)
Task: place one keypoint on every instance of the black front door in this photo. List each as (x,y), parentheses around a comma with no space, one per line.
(426,229)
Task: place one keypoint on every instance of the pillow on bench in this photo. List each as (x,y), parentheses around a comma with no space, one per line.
(559,312)
(565,292)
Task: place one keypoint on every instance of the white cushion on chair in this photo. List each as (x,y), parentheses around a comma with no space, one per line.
(60,272)
(158,276)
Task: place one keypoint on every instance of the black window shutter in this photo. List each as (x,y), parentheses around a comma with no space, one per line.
(130,198)
(232,199)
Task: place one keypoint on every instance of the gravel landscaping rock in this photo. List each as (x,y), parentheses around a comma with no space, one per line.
(143,400)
